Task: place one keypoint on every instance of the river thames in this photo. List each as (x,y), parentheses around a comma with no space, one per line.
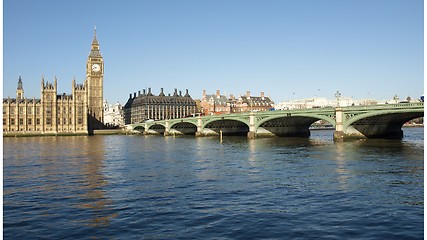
(153,187)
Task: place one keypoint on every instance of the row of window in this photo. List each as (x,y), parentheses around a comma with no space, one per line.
(38,129)
(48,121)
(48,110)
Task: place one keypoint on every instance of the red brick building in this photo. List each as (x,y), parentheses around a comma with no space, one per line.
(219,104)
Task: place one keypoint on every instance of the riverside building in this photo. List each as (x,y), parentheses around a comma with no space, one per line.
(147,106)
(75,113)
(219,104)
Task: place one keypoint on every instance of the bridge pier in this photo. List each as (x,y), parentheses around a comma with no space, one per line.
(252,135)
(252,130)
(339,134)
(206,133)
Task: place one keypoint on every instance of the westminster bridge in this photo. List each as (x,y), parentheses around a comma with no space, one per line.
(371,121)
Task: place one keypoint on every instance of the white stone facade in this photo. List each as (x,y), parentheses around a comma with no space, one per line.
(113,114)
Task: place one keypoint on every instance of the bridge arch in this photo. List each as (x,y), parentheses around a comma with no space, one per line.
(379,124)
(228,127)
(289,125)
(138,128)
(156,129)
(185,128)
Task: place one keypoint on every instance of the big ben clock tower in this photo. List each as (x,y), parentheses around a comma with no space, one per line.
(95,79)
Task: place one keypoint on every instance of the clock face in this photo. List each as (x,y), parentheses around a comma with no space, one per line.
(96,67)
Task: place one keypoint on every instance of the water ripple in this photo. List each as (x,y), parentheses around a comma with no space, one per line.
(135,187)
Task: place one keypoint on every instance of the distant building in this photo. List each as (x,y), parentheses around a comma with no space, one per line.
(219,104)
(214,103)
(248,103)
(305,103)
(320,102)
(147,106)
(76,113)
(113,115)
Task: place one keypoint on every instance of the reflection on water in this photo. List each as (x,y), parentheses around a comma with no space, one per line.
(138,187)
(57,175)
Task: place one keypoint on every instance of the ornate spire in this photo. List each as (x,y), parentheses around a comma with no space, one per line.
(20,82)
(94,50)
(20,90)
(95,41)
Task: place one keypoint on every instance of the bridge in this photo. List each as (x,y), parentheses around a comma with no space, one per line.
(356,122)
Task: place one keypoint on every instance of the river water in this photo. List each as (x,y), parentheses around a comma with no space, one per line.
(151,187)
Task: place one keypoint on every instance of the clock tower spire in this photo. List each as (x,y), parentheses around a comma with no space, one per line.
(95,79)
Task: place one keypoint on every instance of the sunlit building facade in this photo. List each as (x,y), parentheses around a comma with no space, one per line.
(147,106)
(53,113)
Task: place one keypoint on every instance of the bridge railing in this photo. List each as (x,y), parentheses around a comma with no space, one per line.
(387,106)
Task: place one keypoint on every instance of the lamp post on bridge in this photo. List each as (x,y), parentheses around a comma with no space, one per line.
(338,97)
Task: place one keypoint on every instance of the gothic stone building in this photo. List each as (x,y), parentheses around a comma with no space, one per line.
(147,106)
(54,113)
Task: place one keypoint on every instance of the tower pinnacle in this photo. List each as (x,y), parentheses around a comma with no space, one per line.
(94,51)
(95,41)
(19,89)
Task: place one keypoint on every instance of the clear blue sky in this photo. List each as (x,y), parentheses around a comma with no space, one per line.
(290,49)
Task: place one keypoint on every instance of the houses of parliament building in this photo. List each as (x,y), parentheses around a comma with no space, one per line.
(57,114)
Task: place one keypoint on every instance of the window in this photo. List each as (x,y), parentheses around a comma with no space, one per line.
(4,110)
(21,121)
(79,110)
(38,121)
(12,110)
(48,121)
(30,110)
(30,121)
(4,121)
(21,110)
(12,121)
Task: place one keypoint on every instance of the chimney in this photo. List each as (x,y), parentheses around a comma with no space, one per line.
(218,93)
(134,94)
(248,93)
(175,93)
(262,95)
(130,95)
(204,96)
(139,93)
(231,96)
(180,93)
(149,91)
(143,92)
